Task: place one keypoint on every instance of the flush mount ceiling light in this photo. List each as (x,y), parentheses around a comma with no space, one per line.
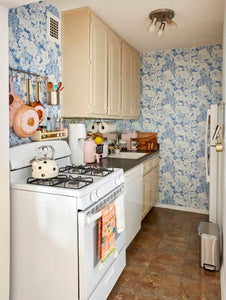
(159,19)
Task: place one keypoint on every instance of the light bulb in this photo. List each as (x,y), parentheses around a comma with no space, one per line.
(161,30)
(152,26)
(171,23)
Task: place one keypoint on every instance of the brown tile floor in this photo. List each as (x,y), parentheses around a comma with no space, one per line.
(163,261)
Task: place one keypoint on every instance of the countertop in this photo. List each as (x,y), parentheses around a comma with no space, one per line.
(125,164)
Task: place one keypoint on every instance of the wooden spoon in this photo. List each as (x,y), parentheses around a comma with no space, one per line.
(59,86)
(50,86)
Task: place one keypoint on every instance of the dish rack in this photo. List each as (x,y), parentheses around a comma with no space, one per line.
(49,135)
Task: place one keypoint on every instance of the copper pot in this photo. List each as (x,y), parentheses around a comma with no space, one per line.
(26,119)
(14,102)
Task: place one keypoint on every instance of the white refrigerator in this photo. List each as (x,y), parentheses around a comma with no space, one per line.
(214,149)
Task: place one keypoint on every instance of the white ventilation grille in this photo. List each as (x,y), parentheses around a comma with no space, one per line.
(54,27)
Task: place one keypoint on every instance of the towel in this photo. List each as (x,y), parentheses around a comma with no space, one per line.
(106,232)
(120,213)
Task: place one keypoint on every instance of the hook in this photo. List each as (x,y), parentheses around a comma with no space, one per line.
(39,78)
(14,73)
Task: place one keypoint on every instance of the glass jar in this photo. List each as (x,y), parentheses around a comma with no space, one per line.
(57,124)
(43,132)
(48,127)
(61,126)
(48,124)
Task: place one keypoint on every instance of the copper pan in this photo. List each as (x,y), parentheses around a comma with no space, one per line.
(14,102)
(26,119)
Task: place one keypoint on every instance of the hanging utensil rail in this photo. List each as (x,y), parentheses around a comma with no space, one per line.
(28,73)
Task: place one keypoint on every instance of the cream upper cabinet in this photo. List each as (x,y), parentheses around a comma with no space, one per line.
(75,63)
(98,69)
(114,74)
(126,80)
(130,82)
(98,66)
(135,84)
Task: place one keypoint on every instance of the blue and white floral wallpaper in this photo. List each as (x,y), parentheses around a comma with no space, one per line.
(177,87)
(31,50)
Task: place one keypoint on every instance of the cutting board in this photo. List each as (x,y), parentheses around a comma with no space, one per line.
(146,140)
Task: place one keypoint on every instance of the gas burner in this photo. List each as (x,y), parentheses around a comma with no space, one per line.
(88,170)
(72,169)
(78,182)
(62,180)
(48,181)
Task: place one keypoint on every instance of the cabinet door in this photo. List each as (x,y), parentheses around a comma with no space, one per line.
(135,84)
(149,184)
(98,66)
(150,188)
(114,74)
(144,199)
(147,190)
(155,185)
(126,80)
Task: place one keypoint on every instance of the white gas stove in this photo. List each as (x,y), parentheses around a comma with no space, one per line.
(54,228)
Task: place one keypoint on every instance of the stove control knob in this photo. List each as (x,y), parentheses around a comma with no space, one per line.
(93,197)
(99,194)
(118,181)
(122,178)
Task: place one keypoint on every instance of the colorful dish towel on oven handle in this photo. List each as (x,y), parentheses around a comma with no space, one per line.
(106,232)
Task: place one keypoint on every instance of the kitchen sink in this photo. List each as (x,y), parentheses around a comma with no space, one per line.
(127,155)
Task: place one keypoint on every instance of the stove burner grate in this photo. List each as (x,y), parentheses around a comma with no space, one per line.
(88,170)
(63,180)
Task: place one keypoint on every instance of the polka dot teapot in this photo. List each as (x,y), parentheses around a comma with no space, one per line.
(43,164)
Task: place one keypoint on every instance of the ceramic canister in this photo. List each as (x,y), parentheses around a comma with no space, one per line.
(89,151)
(127,136)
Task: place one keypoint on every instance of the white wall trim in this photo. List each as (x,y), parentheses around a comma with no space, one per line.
(4,159)
(223,267)
(223,284)
(182,208)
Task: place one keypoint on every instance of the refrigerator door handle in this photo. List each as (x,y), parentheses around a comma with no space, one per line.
(216,133)
(207,146)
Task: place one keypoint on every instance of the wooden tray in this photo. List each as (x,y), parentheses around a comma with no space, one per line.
(39,136)
(146,140)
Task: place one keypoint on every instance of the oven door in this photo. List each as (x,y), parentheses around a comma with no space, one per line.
(91,269)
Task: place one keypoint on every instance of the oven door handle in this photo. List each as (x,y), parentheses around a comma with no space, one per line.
(92,218)
(89,219)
